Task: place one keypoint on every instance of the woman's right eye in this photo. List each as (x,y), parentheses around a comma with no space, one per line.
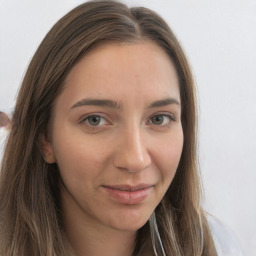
(94,120)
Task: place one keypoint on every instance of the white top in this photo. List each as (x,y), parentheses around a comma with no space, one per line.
(224,240)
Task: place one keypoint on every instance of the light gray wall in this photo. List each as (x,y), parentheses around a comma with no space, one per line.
(219,38)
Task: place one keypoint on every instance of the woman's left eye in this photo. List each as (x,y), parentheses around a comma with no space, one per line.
(95,120)
(161,119)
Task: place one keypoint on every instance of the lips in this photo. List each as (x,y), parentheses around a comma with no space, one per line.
(128,187)
(126,194)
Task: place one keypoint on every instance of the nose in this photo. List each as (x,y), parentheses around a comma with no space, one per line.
(132,153)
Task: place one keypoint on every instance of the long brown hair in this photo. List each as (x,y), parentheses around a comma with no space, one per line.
(30,217)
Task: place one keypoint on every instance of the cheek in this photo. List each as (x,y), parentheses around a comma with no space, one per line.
(167,156)
(78,161)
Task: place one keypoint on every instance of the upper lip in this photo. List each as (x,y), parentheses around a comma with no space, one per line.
(129,188)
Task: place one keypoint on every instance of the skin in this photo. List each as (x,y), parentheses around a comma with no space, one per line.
(136,140)
(4,120)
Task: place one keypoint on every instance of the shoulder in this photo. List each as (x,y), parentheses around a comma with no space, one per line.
(224,240)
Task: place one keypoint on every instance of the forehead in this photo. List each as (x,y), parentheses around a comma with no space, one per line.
(140,69)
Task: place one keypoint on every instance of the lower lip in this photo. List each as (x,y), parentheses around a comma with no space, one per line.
(128,197)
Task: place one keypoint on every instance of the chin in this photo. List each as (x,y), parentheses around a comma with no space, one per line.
(130,223)
(129,227)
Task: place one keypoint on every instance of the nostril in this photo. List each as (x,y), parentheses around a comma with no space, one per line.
(132,163)
(135,170)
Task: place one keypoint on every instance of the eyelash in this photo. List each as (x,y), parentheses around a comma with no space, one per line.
(164,116)
(170,117)
(86,120)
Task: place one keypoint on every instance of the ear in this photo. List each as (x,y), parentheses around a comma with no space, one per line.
(46,149)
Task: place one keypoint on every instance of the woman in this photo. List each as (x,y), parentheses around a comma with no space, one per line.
(101,157)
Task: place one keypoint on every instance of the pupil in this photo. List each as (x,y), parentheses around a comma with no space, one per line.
(158,120)
(94,120)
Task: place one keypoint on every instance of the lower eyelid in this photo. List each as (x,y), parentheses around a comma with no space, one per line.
(171,117)
(84,119)
(102,119)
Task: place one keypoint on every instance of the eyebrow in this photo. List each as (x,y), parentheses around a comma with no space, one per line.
(164,102)
(97,102)
(116,105)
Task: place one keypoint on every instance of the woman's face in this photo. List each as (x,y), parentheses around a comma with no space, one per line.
(116,135)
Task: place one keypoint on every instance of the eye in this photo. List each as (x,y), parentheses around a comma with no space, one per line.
(95,120)
(161,119)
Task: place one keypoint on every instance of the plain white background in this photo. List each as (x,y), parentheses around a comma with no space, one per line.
(219,38)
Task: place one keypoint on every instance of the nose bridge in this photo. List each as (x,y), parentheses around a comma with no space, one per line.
(132,153)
